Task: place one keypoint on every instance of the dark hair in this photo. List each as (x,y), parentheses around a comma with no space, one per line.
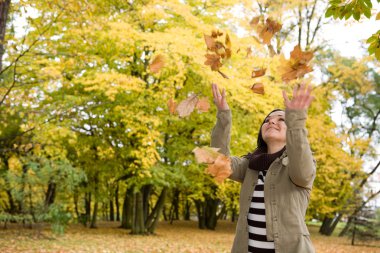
(260,141)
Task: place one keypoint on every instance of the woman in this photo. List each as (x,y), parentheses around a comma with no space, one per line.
(276,178)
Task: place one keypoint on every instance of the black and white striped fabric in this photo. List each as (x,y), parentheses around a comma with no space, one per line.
(257,237)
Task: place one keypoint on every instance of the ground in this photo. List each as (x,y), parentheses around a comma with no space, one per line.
(181,237)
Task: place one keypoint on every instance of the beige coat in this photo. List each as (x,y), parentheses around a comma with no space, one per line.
(287,186)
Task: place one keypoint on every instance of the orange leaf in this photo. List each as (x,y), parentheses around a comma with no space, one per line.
(157,63)
(228,41)
(220,169)
(187,106)
(206,154)
(216,33)
(267,30)
(172,106)
(214,61)
(203,105)
(296,66)
(258,88)
(254,21)
(210,42)
(258,73)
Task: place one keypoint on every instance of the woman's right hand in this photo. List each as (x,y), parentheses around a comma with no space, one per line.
(219,99)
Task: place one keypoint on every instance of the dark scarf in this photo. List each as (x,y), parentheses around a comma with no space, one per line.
(261,160)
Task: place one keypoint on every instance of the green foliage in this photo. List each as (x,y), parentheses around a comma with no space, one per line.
(345,9)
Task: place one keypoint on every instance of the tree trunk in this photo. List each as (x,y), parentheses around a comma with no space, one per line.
(4,10)
(187,210)
(211,217)
(126,220)
(201,211)
(153,218)
(329,225)
(112,212)
(138,226)
(117,203)
(76,204)
(94,214)
(146,190)
(87,204)
(50,194)
(12,205)
(357,210)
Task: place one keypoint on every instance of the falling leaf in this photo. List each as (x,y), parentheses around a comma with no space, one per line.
(214,61)
(378,16)
(266,31)
(157,63)
(206,154)
(210,42)
(216,33)
(258,88)
(237,51)
(220,169)
(220,49)
(203,105)
(258,72)
(254,21)
(228,41)
(187,106)
(172,106)
(296,66)
(249,51)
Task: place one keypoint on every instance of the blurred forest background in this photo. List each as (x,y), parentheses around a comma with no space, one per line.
(86,135)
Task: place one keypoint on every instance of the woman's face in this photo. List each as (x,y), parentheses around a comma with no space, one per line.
(274,128)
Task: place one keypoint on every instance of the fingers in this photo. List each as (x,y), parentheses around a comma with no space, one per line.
(301,97)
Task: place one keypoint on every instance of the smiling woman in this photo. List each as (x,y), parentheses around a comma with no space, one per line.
(276,178)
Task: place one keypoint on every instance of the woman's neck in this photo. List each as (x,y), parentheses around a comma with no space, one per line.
(275,147)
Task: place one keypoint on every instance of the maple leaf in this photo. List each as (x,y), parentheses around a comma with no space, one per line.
(157,63)
(296,66)
(266,31)
(216,33)
(214,61)
(203,105)
(210,42)
(258,88)
(254,21)
(172,105)
(258,72)
(187,106)
(220,169)
(206,154)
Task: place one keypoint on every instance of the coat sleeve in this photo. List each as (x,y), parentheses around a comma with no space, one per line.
(302,169)
(220,138)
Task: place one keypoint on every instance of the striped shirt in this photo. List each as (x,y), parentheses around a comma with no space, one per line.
(257,233)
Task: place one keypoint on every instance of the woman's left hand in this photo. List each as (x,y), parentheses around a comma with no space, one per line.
(302,98)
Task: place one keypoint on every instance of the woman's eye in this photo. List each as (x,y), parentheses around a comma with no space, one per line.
(281,119)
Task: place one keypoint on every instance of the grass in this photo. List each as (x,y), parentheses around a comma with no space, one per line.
(181,237)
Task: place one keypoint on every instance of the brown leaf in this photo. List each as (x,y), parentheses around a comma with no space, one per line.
(249,51)
(220,49)
(187,106)
(258,88)
(172,105)
(206,154)
(254,21)
(214,61)
(296,66)
(258,72)
(210,42)
(203,105)
(266,31)
(216,33)
(228,42)
(157,63)
(220,169)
